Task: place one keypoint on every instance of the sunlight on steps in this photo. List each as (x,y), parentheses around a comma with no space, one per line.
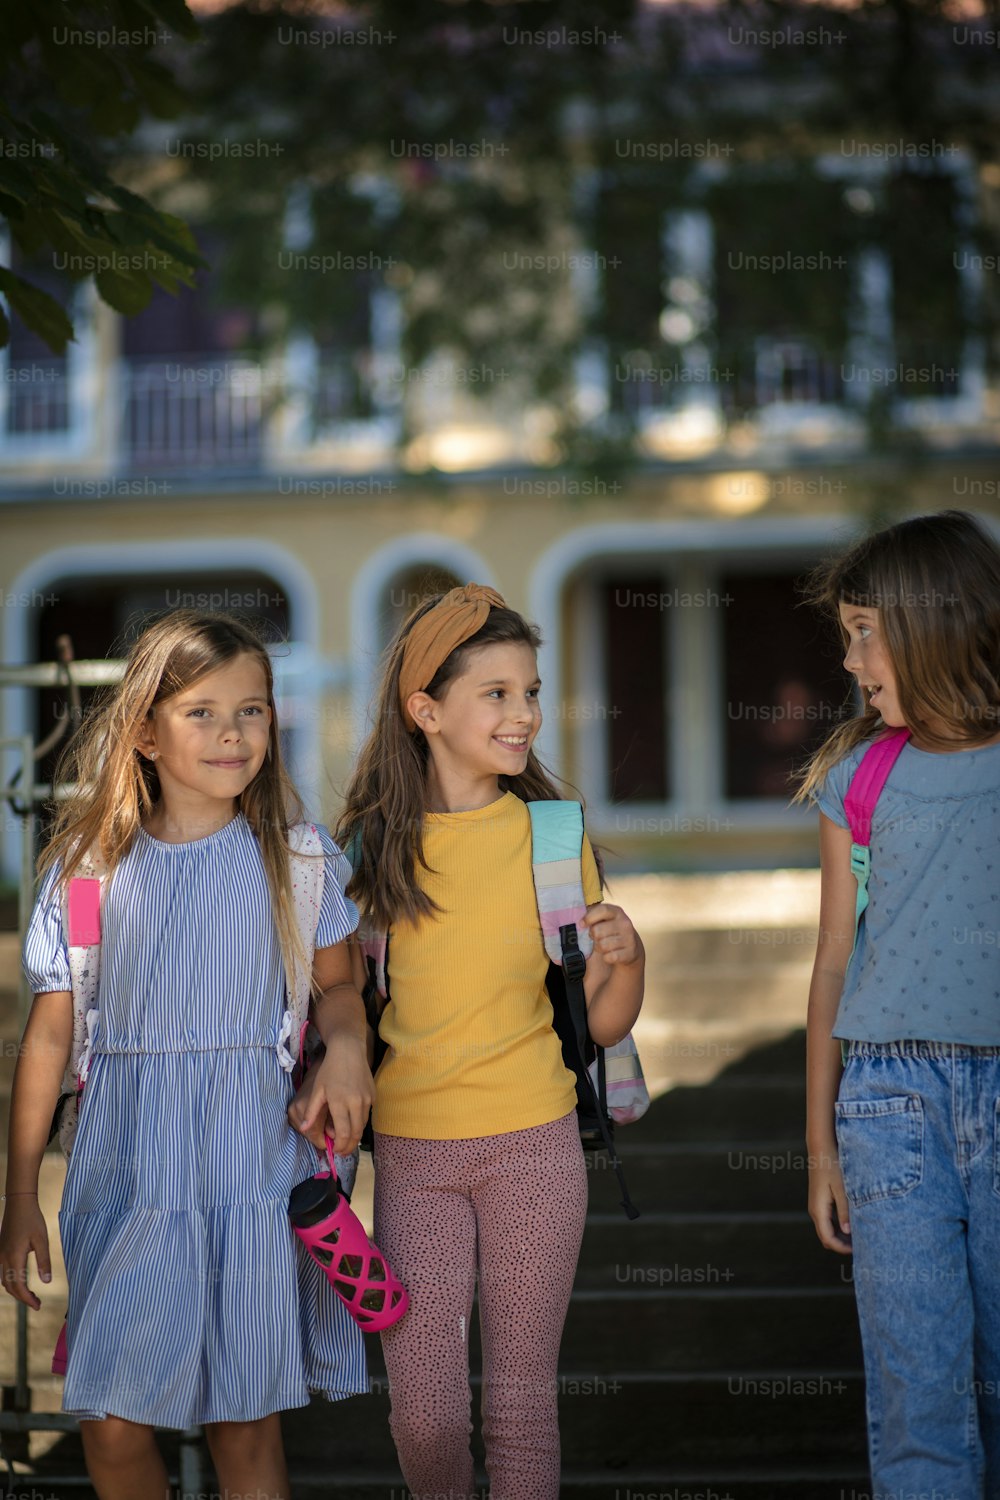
(728,964)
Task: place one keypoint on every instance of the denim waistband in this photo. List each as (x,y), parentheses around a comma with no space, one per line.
(912,1047)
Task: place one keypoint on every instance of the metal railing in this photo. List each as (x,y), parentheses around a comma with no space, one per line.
(192,411)
(36,398)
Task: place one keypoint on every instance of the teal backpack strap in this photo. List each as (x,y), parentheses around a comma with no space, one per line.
(556,852)
(557,869)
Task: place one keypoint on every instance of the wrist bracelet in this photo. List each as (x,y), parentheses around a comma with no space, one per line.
(27,1193)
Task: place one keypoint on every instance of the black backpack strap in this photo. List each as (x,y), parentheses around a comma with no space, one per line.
(574,966)
(374,1006)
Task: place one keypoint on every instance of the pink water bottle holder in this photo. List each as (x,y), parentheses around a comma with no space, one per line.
(325,1222)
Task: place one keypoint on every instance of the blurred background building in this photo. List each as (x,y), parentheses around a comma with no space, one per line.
(761,324)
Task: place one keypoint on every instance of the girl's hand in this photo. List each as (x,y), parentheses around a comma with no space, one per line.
(336,1097)
(615,939)
(828,1207)
(22,1233)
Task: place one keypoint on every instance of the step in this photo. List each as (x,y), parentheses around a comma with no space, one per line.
(758,1250)
(829,1483)
(615,1424)
(714,1178)
(784,1055)
(654,1487)
(748,945)
(729,1110)
(727,990)
(750,1482)
(647,1330)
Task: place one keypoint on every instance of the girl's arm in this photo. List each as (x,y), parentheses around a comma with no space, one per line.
(360,980)
(41,1063)
(615,977)
(828,1207)
(338,1094)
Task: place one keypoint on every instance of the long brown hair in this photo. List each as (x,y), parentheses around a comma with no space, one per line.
(935,581)
(381,826)
(113,786)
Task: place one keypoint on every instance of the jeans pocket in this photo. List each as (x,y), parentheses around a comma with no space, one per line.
(881,1146)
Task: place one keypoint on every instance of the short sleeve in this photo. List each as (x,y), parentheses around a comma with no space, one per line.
(829,795)
(338,917)
(591,878)
(44,959)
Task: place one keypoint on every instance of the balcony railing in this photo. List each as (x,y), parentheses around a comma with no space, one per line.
(200,411)
(192,411)
(35,396)
(766,373)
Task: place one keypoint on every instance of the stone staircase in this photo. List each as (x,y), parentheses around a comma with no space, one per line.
(711,1348)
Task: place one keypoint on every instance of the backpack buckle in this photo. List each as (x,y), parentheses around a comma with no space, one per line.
(573,962)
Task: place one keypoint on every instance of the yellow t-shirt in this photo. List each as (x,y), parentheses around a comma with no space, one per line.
(469,1025)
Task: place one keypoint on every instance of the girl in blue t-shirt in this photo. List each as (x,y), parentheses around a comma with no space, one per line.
(904,1135)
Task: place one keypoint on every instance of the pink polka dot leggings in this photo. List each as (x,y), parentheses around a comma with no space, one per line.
(511,1209)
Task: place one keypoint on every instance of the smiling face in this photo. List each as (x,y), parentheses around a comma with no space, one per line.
(868,658)
(211,739)
(488,716)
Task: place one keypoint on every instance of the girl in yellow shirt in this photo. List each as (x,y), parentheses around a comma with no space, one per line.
(478,1165)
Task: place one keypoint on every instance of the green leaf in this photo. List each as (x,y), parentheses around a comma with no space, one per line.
(128,292)
(37,309)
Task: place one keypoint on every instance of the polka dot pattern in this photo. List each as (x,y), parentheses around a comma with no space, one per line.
(927,961)
(506,1211)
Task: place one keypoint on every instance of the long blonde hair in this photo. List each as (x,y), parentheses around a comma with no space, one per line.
(935,581)
(381,827)
(113,786)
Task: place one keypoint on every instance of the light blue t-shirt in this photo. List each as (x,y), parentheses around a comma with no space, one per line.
(927,960)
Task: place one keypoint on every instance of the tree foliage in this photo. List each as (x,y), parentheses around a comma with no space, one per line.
(473,150)
(95,66)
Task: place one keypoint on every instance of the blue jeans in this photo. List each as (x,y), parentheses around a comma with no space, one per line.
(918,1133)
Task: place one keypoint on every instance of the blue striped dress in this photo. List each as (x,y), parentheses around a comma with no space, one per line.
(190,1299)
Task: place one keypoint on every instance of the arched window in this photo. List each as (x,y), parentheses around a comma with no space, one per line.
(405,590)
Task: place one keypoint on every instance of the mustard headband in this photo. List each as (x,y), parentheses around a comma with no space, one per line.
(434,637)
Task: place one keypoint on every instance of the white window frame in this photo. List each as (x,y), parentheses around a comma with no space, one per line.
(83,384)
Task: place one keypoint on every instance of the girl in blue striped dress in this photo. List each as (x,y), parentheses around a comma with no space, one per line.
(190,1300)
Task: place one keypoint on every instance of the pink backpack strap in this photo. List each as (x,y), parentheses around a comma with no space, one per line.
(859,805)
(81,920)
(868,781)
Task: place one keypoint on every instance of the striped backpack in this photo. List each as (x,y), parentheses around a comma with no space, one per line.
(610,1088)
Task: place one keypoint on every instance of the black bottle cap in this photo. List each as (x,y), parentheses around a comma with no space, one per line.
(313,1200)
